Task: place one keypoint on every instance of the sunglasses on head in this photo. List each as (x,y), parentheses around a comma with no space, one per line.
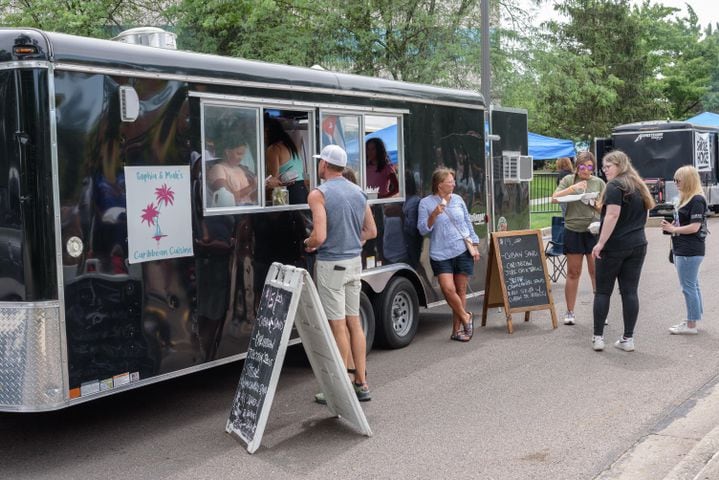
(587,168)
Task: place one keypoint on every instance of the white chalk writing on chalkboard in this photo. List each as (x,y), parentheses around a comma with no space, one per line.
(523,270)
(260,360)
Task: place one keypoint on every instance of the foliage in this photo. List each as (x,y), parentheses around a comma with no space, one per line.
(92,18)
(606,63)
(412,40)
(611,63)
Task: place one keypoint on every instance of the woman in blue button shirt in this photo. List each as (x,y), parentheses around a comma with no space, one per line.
(444,216)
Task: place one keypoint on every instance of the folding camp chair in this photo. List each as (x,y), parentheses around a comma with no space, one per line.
(554,251)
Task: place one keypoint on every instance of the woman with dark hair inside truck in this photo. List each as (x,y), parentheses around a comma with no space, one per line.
(284,165)
(380,172)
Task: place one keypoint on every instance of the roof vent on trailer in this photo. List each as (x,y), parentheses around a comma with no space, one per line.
(148,36)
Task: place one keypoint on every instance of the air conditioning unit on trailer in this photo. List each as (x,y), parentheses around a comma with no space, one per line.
(516,167)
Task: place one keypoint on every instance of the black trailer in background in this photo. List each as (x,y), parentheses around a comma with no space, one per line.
(658,148)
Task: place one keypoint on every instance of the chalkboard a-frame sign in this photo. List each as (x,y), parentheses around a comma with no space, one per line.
(517,277)
(288,293)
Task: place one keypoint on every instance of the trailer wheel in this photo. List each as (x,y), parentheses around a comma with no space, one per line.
(397,312)
(368,319)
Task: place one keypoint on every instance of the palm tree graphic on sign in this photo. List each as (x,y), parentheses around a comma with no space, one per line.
(151,214)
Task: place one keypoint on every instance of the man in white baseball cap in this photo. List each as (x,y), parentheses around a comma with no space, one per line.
(333,154)
(342,222)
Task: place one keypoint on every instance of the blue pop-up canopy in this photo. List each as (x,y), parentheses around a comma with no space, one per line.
(543,148)
(706,119)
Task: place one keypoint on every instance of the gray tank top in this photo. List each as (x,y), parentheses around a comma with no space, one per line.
(345,204)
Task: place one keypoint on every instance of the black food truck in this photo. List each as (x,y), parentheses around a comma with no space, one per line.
(138,222)
(659,148)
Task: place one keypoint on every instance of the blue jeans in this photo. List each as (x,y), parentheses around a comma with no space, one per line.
(688,270)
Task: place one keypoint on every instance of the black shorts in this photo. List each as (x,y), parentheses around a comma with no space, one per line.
(578,243)
(461,264)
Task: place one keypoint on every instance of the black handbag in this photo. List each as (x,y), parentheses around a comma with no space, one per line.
(671,255)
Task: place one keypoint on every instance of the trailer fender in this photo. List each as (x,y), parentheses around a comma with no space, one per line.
(378,278)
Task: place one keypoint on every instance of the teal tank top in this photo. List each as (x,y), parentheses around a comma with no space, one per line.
(293,165)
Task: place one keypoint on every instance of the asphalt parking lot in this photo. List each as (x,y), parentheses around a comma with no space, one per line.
(537,404)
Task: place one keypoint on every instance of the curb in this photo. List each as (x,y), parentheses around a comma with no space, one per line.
(702,461)
(710,470)
(684,445)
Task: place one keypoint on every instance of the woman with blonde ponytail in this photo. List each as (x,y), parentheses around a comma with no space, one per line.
(622,245)
(688,244)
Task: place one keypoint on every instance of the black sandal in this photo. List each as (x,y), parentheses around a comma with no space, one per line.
(469,326)
(460,336)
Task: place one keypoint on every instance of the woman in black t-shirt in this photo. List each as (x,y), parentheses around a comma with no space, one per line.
(688,245)
(622,246)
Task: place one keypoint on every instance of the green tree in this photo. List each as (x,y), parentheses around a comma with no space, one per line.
(710,99)
(414,40)
(611,63)
(683,59)
(92,18)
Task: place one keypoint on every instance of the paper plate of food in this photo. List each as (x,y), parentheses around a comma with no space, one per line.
(570,198)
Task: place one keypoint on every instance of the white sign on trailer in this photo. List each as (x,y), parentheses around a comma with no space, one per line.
(289,291)
(158,213)
(702,152)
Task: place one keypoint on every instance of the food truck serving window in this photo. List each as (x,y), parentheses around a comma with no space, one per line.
(230,156)
(373,146)
(288,147)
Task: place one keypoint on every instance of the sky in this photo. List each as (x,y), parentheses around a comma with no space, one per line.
(706,10)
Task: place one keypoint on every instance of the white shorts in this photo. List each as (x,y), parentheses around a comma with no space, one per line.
(339,286)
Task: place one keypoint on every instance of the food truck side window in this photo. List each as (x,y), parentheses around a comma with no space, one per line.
(288,148)
(344,130)
(231,156)
(382,156)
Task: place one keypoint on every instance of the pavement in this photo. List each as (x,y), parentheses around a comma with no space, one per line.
(538,404)
(682,446)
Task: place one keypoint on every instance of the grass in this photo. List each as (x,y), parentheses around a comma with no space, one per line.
(542,186)
(541,220)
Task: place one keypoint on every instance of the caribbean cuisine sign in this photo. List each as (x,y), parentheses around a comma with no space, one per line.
(158,213)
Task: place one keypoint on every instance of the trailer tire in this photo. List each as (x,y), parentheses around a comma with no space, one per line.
(367,318)
(397,313)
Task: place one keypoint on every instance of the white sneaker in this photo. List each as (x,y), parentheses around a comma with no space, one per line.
(683,329)
(606,322)
(569,318)
(597,343)
(626,344)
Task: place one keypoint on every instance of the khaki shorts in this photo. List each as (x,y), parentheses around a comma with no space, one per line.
(339,286)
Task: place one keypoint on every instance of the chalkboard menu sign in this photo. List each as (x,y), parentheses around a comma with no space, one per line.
(517,277)
(523,270)
(262,365)
(289,294)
